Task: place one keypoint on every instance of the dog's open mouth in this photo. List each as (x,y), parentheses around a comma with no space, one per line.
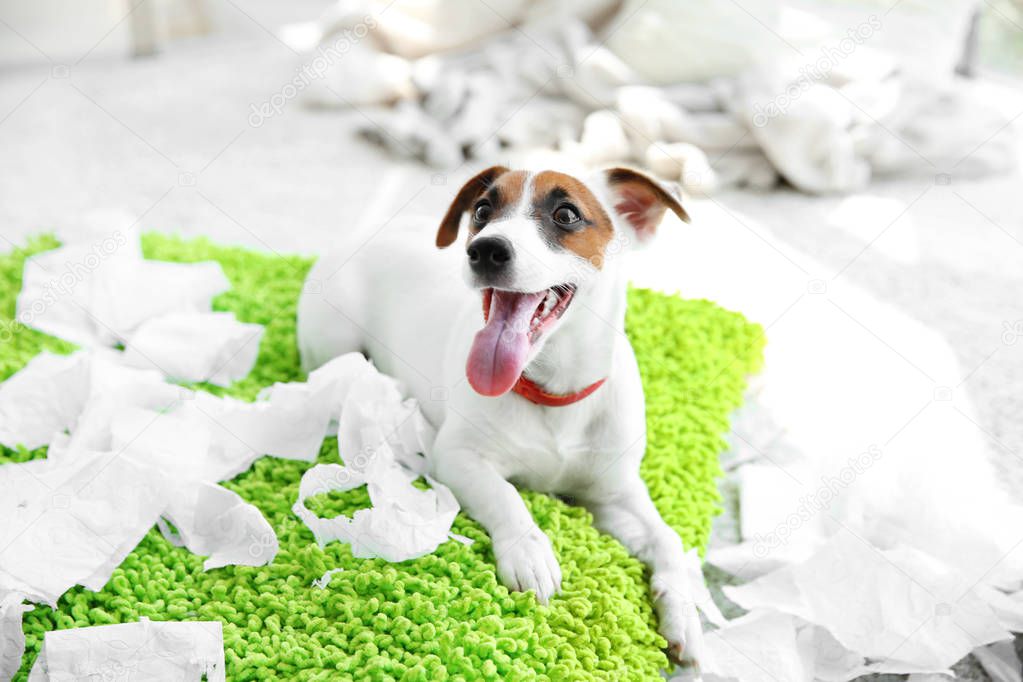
(514,322)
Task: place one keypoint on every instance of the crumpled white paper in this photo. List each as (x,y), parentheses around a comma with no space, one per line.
(146,650)
(213,347)
(1000,661)
(73,524)
(42,399)
(380,437)
(759,647)
(98,293)
(128,449)
(403,523)
(899,605)
(212,520)
(324,580)
(12,639)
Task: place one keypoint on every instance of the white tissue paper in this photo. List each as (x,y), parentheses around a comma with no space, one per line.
(72,523)
(379,439)
(145,650)
(43,399)
(324,581)
(57,287)
(403,522)
(147,289)
(1000,661)
(99,293)
(899,605)
(759,647)
(196,346)
(215,521)
(128,449)
(12,639)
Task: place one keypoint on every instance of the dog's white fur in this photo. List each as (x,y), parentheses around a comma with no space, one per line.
(399,299)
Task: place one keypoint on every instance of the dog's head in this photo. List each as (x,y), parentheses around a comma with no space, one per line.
(536,242)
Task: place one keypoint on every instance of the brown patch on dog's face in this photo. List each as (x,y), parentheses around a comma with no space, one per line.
(571,216)
(497,201)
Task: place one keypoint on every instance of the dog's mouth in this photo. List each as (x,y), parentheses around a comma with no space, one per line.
(515,321)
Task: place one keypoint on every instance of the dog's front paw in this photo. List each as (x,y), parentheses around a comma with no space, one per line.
(527,562)
(679,619)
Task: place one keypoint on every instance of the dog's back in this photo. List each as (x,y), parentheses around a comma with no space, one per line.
(390,295)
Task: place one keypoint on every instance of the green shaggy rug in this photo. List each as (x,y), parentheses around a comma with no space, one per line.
(444,616)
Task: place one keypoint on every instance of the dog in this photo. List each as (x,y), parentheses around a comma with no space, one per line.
(526,372)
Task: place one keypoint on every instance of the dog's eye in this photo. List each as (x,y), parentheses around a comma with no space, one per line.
(482,213)
(566,215)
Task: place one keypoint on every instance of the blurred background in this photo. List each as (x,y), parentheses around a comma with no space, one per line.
(851,168)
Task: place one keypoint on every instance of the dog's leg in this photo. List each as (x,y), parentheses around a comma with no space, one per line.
(629,515)
(525,558)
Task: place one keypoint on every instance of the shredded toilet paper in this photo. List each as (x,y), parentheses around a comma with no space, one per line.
(72,522)
(212,520)
(12,639)
(323,581)
(857,610)
(145,650)
(98,293)
(213,347)
(128,449)
(380,439)
(42,399)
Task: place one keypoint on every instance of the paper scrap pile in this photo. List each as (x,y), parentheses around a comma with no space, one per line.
(128,449)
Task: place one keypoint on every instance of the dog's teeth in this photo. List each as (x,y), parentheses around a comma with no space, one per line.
(549,303)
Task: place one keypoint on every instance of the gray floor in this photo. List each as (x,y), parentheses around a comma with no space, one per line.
(166,144)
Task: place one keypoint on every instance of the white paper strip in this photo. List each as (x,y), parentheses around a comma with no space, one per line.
(215,521)
(380,437)
(146,650)
(12,639)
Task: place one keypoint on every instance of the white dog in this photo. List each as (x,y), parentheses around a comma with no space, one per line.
(526,373)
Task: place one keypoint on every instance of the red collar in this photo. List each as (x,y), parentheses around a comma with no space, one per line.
(528,389)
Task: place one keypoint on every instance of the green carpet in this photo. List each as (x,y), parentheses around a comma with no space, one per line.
(444,616)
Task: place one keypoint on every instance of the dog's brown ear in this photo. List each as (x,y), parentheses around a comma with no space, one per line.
(448,231)
(641,200)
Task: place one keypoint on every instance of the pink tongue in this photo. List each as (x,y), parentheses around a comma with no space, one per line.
(498,353)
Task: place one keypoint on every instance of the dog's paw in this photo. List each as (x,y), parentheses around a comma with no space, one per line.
(678,617)
(527,562)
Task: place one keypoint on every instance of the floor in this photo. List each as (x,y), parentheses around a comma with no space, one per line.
(168,144)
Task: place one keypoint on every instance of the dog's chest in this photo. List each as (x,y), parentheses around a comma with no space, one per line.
(556,450)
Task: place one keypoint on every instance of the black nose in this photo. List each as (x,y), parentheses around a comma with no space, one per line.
(490,255)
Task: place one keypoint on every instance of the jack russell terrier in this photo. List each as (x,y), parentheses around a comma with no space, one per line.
(526,373)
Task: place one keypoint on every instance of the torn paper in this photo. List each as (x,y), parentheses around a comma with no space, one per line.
(374,418)
(146,650)
(898,606)
(403,522)
(42,399)
(148,289)
(1000,661)
(12,638)
(759,647)
(196,347)
(73,524)
(380,439)
(97,294)
(57,288)
(323,581)
(214,521)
